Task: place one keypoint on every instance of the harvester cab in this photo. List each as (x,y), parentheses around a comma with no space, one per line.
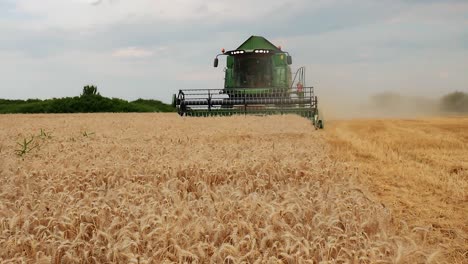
(258,80)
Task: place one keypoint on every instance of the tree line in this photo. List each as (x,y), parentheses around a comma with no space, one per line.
(455,102)
(90,101)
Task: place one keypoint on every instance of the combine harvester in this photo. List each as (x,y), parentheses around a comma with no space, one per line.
(258,81)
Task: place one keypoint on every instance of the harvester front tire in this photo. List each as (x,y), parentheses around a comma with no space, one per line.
(320,124)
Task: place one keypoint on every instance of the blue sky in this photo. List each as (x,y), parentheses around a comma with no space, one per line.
(151,48)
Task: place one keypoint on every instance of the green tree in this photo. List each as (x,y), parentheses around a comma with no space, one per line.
(89,90)
(455,102)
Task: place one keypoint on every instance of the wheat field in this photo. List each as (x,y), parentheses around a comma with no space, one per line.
(157,188)
(416,167)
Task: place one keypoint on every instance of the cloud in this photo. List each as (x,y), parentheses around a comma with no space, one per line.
(435,12)
(444,75)
(132,52)
(83,14)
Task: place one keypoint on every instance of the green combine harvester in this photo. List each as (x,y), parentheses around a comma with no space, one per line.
(258,81)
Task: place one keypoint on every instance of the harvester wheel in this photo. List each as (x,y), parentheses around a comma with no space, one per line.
(320,124)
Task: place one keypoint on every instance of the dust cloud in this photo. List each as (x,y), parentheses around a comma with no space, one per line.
(394,105)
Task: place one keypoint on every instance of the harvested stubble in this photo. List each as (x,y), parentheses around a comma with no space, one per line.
(416,167)
(151,188)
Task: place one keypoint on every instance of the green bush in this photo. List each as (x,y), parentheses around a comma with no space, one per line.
(90,101)
(153,105)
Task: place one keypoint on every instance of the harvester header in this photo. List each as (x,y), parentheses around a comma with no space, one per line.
(258,80)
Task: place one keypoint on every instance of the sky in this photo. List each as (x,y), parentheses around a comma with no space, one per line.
(151,48)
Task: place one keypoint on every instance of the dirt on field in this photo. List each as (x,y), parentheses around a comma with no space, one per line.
(418,168)
(152,188)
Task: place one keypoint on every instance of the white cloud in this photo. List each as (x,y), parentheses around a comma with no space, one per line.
(444,75)
(85,14)
(132,52)
(437,12)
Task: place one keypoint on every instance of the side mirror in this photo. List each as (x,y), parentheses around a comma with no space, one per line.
(216,61)
(289,60)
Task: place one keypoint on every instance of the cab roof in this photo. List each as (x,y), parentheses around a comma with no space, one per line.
(258,42)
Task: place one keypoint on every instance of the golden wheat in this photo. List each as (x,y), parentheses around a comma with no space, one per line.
(156,188)
(417,168)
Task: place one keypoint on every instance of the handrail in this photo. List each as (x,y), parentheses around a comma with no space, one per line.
(301,73)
